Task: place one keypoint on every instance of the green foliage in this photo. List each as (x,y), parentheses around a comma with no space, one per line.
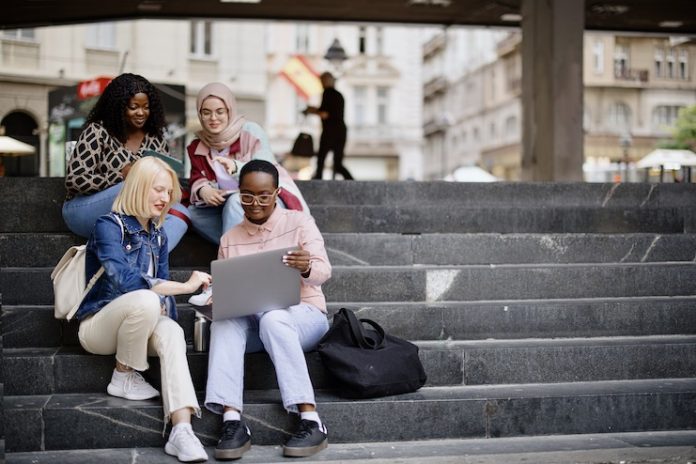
(684,134)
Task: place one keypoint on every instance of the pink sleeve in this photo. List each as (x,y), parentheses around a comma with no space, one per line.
(313,242)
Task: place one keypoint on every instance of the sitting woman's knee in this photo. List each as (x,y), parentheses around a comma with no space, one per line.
(148,304)
(275,320)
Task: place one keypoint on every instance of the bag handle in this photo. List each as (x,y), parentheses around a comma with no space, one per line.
(359,334)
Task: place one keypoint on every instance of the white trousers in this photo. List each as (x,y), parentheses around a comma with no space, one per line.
(133,327)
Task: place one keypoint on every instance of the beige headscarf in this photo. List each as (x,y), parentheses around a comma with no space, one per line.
(229,134)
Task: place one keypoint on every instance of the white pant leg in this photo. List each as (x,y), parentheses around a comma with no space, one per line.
(228,343)
(286,335)
(168,343)
(124,327)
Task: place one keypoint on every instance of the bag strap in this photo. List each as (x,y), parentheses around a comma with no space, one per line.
(99,273)
(359,334)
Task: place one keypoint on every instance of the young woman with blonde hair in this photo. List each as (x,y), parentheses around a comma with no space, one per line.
(130,311)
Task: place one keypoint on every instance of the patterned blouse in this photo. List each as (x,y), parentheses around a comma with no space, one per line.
(98,158)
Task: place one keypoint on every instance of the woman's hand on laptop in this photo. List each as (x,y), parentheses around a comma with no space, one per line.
(299,259)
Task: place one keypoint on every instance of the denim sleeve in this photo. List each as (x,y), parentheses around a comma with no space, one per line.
(163,274)
(163,259)
(109,249)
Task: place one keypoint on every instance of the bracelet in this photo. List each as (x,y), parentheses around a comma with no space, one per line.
(306,271)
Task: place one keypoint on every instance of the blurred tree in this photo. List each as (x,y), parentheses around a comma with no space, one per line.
(684,133)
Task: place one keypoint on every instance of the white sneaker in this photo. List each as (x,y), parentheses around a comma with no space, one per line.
(202,298)
(131,386)
(185,445)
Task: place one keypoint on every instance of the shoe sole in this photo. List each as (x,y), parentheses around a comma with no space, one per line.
(173,451)
(115,391)
(229,454)
(306,451)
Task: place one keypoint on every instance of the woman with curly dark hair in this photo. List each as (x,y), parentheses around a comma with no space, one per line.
(127,120)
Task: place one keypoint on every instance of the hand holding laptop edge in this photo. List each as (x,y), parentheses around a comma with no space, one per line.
(256,282)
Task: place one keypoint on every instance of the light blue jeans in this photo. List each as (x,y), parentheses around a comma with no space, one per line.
(81,213)
(285,334)
(211,222)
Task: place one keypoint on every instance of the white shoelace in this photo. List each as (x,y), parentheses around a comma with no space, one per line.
(132,380)
(188,440)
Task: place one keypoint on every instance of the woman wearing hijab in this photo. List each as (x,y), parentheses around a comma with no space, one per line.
(225,143)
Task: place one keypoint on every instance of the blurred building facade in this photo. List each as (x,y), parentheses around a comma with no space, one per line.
(634,88)
(380,80)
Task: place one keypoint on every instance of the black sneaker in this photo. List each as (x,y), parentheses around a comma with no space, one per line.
(234,441)
(308,439)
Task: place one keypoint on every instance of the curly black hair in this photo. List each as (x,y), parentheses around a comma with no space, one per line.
(110,109)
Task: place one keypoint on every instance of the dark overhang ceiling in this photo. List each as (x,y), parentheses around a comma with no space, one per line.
(666,16)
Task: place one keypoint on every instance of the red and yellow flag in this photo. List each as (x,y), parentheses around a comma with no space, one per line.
(302,76)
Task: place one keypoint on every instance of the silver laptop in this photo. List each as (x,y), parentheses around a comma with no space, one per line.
(254,283)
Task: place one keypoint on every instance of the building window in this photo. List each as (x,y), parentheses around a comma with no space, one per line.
(360,97)
(665,116)
(659,61)
(379,41)
(511,126)
(492,131)
(598,57)
(101,36)
(382,105)
(670,63)
(683,64)
(362,39)
(302,38)
(619,117)
(621,61)
(19,34)
(201,38)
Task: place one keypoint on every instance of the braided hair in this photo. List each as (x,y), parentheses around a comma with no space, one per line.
(110,109)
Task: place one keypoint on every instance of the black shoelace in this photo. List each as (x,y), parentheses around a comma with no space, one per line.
(305,430)
(229,429)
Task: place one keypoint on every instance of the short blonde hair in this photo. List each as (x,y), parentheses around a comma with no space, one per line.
(133,197)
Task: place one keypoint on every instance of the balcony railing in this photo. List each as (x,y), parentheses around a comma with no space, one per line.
(630,74)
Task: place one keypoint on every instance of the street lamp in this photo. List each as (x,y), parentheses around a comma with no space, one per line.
(336,55)
(625,143)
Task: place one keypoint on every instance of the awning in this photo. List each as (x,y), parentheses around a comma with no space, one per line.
(13,147)
(669,159)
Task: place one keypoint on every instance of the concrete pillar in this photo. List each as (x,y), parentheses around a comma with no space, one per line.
(552,90)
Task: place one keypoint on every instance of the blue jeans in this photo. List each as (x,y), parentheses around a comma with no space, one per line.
(81,213)
(211,222)
(285,334)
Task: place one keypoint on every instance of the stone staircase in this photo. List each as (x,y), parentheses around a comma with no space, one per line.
(540,309)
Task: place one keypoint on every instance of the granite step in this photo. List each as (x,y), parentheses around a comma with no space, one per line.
(34,205)
(557,449)
(32,286)
(43,190)
(35,326)
(359,249)
(40,371)
(457,218)
(51,422)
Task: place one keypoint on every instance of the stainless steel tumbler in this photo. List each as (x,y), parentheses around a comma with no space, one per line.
(200,334)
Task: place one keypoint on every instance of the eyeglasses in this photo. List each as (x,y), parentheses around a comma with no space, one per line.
(219,113)
(265,199)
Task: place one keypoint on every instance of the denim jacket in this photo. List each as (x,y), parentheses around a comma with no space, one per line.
(126,253)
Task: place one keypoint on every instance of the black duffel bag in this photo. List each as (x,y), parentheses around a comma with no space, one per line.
(367,363)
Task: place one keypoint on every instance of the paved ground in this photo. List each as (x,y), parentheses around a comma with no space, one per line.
(625,448)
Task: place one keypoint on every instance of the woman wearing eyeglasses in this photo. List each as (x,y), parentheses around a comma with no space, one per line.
(225,143)
(285,334)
